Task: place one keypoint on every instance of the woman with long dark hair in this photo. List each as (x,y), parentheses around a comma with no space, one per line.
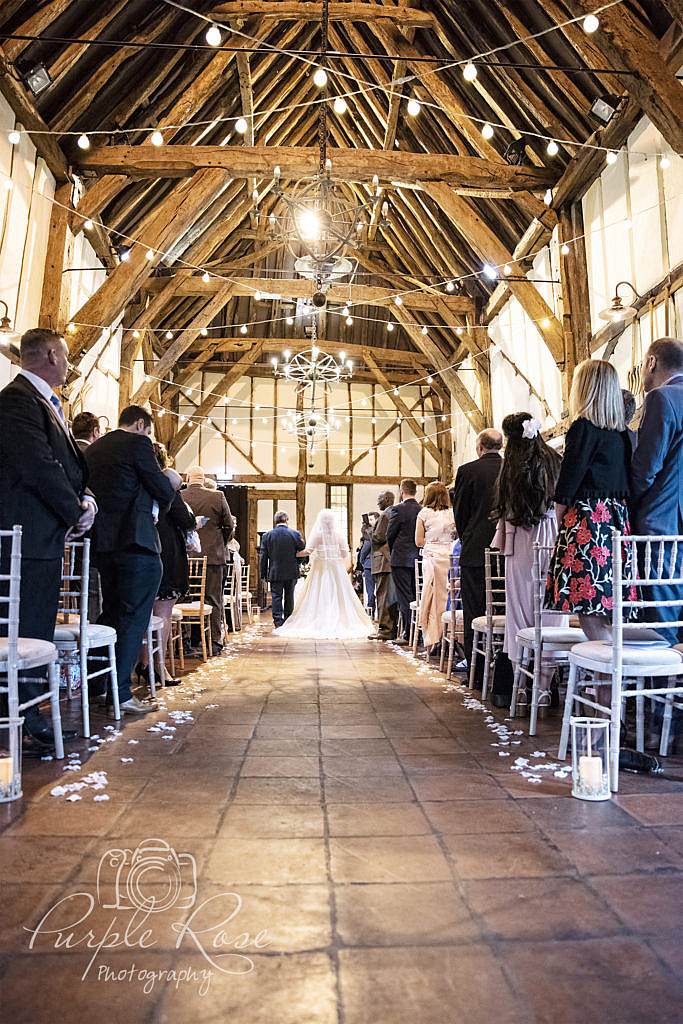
(526,489)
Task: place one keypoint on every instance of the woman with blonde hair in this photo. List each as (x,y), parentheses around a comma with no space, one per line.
(590,499)
(434,533)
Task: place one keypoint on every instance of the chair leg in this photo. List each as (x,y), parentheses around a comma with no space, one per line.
(487,667)
(535,688)
(567,713)
(615,730)
(640,717)
(202,630)
(161,666)
(416,634)
(171,649)
(442,654)
(85,693)
(666,725)
(150,662)
(53,678)
(114,681)
(517,678)
(475,655)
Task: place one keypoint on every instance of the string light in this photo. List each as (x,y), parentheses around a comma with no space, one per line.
(490,272)
(213,36)
(565,249)
(88,225)
(168,335)
(149,255)
(414,107)
(469,72)
(156,138)
(243,329)
(71,328)
(611,156)
(450,286)
(487,131)
(320,78)
(203,331)
(83,142)
(552,149)
(289,321)
(390,326)
(349,321)
(591,24)
(340,105)
(136,334)
(664,162)
(398,301)
(241,125)
(206,277)
(14,138)
(507,269)
(425,331)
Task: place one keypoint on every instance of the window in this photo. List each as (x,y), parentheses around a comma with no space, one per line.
(338,501)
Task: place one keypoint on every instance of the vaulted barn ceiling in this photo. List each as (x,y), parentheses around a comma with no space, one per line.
(191,199)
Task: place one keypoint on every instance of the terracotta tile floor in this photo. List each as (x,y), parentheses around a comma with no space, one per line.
(351,849)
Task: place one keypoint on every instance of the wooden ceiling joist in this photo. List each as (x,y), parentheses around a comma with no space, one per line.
(300,10)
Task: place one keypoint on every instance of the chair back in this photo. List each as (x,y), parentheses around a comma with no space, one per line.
(246,571)
(230,583)
(197,578)
(10,588)
(454,601)
(418,579)
(73,592)
(542,556)
(639,564)
(494,568)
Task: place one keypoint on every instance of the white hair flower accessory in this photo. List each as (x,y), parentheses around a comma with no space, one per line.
(531,428)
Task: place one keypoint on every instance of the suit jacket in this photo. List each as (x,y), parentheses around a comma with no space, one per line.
(401,533)
(381,557)
(82,444)
(278,553)
(474,497)
(657,469)
(220,527)
(126,480)
(43,472)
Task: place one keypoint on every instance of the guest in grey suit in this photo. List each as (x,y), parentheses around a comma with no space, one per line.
(657,469)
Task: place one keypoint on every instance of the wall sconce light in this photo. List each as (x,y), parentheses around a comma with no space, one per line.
(617,311)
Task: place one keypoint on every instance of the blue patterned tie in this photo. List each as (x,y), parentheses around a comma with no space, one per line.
(58,406)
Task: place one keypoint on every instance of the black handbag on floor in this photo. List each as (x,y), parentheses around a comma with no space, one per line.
(503,677)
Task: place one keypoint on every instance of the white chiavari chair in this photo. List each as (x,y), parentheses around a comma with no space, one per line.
(415,628)
(24,654)
(452,619)
(246,592)
(489,629)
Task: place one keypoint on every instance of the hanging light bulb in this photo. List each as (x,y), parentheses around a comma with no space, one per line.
(71,328)
(206,277)
(213,36)
(124,254)
(149,255)
(136,334)
(664,162)
(287,354)
(14,138)
(414,107)
(469,72)
(611,157)
(490,272)
(565,249)
(320,78)
(459,330)
(487,131)
(169,335)
(290,320)
(203,332)
(83,142)
(398,301)
(243,329)
(450,286)
(390,326)
(552,149)
(349,321)
(241,125)
(156,138)
(430,379)
(591,24)
(340,105)
(425,330)
(507,269)
(88,225)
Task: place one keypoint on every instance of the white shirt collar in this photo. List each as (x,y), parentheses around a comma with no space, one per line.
(41,386)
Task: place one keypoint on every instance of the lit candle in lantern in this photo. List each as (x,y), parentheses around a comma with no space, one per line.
(6,772)
(590,772)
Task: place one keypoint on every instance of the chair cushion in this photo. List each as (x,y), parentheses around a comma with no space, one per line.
(413,605)
(596,650)
(480,623)
(446,617)
(97,635)
(32,653)
(176,614)
(156,622)
(193,609)
(561,635)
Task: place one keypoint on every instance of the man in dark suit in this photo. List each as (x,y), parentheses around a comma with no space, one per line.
(218,529)
(130,489)
(385,597)
(657,469)
(43,490)
(403,551)
(280,565)
(474,497)
(85,428)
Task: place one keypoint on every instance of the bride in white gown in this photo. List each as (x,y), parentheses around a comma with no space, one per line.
(326,606)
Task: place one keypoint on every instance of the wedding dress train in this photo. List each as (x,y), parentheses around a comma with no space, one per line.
(326,607)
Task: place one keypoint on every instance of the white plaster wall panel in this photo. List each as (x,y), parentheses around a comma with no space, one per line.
(596,255)
(315,501)
(647,215)
(672,182)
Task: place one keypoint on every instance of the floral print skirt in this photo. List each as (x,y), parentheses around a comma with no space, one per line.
(580,572)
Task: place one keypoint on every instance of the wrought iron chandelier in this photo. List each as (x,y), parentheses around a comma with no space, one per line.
(320,222)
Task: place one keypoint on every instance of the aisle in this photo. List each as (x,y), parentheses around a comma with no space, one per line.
(391,865)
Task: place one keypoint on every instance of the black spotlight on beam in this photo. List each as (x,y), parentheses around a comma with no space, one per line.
(37,79)
(605,107)
(515,153)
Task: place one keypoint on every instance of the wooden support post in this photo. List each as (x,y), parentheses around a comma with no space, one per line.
(576,316)
(54,302)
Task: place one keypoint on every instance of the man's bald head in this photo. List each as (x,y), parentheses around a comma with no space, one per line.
(488,441)
(385,500)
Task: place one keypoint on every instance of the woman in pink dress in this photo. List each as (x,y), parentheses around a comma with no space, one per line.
(434,533)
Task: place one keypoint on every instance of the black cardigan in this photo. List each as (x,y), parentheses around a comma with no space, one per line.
(172,525)
(596,464)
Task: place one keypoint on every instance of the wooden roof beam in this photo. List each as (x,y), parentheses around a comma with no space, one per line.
(27,116)
(298,10)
